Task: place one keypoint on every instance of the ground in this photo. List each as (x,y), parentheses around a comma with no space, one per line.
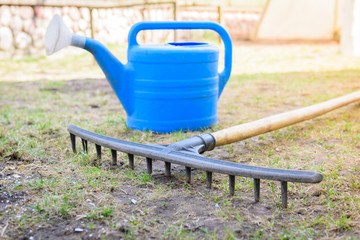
(48,192)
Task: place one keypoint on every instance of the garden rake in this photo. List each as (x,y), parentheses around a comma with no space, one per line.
(187,152)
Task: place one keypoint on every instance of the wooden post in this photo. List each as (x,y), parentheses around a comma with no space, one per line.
(91,23)
(143,18)
(175,15)
(92,34)
(219,8)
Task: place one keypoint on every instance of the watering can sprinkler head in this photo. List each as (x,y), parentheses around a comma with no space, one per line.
(59,36)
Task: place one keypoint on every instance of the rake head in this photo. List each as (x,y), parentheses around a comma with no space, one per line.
(187,153)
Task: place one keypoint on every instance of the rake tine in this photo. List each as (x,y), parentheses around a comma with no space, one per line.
(284,194)
(114,157)
(188,174)
(231,185)
(98,151)
(131,161)
(85,145)
(149,165)
(73,142)
(208,179)
(257,189)
(167,169)
(187,153)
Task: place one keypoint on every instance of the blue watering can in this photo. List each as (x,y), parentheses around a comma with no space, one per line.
(163,87)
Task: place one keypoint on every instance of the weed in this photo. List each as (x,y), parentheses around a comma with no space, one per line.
(229,234)
(343,223)
(355,182)
(37,208)
(144,177)
(140,178)
(177,231)
(43,183)
(107,211)
(24,221)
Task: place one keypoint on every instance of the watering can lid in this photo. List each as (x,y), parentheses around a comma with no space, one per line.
(186,52)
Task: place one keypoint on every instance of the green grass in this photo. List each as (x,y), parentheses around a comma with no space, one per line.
(50,186)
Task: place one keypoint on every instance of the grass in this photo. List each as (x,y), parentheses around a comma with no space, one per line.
(48,191)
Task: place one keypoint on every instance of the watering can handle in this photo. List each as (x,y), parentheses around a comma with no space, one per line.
(225,74)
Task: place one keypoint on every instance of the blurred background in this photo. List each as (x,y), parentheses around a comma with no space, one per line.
(23,22)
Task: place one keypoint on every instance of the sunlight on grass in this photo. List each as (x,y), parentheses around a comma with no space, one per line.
(47,184)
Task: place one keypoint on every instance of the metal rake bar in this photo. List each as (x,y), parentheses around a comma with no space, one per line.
(190,158)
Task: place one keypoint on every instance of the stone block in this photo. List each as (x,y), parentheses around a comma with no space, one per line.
(22,40)
(38,37)
(5,15)
(26,12)
(74,14)
(14,10)
(65,10)
(6,39)
(16,24)
(102,13)
(56,10)
(75,27)
(68,22)
(85,14)
(29,26)
(82,24)
(95,14)
(48,13)
(88,32)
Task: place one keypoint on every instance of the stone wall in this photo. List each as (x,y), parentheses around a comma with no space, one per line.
(22,28)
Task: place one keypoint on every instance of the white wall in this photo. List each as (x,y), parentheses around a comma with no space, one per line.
(298,19)
(350,31)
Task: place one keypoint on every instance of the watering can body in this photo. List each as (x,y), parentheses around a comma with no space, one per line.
(166,87)
(175,87)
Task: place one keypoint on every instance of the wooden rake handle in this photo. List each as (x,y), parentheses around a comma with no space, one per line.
(268,124)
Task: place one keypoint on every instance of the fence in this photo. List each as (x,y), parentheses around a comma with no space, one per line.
(23,23)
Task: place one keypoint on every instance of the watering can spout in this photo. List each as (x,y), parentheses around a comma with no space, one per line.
(58,36)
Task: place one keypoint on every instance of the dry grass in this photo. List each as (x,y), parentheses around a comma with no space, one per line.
(46,191)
